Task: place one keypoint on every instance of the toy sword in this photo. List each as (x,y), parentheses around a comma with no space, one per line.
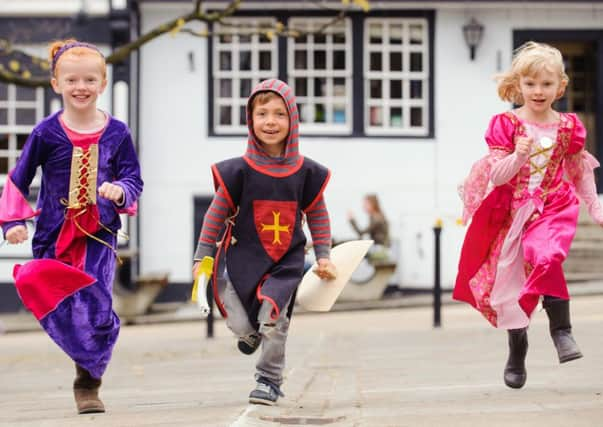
(199,294)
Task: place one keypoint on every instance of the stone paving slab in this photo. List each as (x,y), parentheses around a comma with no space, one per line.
(360,368)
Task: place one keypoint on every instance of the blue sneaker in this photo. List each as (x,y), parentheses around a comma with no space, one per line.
(265,393)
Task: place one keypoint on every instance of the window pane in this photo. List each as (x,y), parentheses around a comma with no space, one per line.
(225,88)
(339,87)
(395,34)
(301,87)
(242,115)
(3,91)
(3,165)
(320,38)
(395,89)
(339,60)
(339,38)
(226,38)
(320,85)
(416,89)
(339,113)
(416,116)
(265,60)
(320,60)
(301,60)
(416,34)
(21,140)
(225,115)
(245,60)
(225,61)
(301,39)
(3,116)
(26,116)
(416,61)
(376,61)
(376,89)
(376,117)
(375,33)
(395,117)
(319,113)
(245,88)
(244,38)
(303,112)
(25,94)
(3,141)
(395,61)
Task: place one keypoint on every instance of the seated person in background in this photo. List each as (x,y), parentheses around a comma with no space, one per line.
(377,229)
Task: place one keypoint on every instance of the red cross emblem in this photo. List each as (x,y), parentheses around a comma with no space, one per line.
(275,222)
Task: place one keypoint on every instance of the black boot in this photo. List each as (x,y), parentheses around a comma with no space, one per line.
(561,329)
(515,370)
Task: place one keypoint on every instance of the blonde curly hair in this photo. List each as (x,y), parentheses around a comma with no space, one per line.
(528,60)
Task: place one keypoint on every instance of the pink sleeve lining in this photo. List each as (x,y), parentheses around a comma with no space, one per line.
(13,205)
(506,168)
(580,170)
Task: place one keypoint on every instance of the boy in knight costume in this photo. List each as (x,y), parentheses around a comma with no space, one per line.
(262,198)
(90,174)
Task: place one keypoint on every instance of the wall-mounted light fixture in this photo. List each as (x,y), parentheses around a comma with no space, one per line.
(473,32)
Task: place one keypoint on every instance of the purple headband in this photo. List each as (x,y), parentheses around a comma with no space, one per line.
(68,46)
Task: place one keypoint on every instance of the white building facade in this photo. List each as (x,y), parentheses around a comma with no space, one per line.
(390,101)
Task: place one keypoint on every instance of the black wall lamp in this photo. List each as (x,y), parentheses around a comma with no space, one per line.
(473,32)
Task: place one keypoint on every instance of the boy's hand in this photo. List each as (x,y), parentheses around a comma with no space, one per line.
(196,268)
(17,234)
(325,269)
(112,192)
(523,146)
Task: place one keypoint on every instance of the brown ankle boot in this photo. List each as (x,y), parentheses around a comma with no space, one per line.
(85,391)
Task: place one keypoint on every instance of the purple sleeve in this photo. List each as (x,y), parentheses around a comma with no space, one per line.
(128,174)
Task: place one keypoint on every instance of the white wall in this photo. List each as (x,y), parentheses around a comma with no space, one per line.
(416,179)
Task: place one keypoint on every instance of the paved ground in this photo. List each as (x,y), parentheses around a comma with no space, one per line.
(372,368)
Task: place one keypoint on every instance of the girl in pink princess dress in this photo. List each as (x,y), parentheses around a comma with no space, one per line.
(523,206)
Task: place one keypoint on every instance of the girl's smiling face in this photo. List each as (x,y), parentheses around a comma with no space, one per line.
(271,125)
(540,90)
(80,80)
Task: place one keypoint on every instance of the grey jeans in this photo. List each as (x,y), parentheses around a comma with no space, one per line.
(273,332)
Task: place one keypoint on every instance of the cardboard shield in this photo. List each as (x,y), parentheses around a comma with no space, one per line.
(316,294)
(275,223)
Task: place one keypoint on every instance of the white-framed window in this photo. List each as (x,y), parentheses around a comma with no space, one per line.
(240,61)
(319,69)
(396,76)
(20,109)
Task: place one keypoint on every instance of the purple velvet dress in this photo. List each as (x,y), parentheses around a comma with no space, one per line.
(72,300)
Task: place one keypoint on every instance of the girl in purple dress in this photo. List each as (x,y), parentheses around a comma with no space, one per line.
(90,174)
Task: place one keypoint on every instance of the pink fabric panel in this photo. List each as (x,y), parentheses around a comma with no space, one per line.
(578,137)
(500,133)
(131,210)
(13,205)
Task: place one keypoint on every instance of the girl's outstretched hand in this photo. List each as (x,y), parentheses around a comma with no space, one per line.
(523,146)
(17,234)
(112,192)
(325,269)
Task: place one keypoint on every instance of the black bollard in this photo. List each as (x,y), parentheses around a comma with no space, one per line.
(437,284)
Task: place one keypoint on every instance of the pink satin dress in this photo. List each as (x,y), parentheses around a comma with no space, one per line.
(523,216)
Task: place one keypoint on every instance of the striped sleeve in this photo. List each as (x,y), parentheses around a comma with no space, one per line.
(320,229)
(213,221)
